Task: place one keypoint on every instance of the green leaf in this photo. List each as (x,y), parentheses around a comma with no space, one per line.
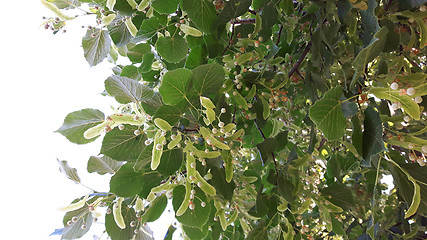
(202,13)
(372,135)
(259,232)
(208,78)
(409,106)
(196,233)
(76,123)
(127,182)
(75,230)
(266,149)
(126,90)
(228,160)
(147,61)
(117,233)
(175,87)
(169,113)
(196,57)
(123,145)
(269,15)
(170,162)
(165,6)
(370,52)
(119,32)
(340,195)
(68,171)
(155,209)
(222,187)
(369,22)
(148,29)
(96,45)
(192,218)
(172,49)
(328,116)
(151,105)
(357,137)
(233,9)
(285,186)
(103,165)
(136,54)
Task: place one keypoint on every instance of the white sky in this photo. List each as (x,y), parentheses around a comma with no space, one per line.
(44,77)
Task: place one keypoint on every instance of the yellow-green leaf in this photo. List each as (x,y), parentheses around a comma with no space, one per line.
(415,199)
(191,31)
(408,105)
(131,27)
(117,213)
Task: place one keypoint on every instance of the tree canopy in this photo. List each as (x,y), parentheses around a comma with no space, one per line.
(256,119)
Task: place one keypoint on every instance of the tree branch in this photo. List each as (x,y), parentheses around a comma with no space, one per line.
(301,58)
(243,21)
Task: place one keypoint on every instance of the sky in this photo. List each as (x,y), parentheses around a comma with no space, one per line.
(44,77)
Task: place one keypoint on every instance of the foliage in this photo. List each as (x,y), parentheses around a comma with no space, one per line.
(257,119)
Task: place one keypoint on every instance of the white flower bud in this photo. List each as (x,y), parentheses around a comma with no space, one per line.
(137,132)
(418,99)
(147,142)
(410,91)
(221,124)
(214,130)
(394,86)
(159,146)
(121,127)
(407,118)
(203,204)
(173,137)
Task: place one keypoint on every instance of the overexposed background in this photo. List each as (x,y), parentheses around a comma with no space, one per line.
(44,77)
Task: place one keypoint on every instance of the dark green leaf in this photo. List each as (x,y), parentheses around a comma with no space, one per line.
(165,6)
(196,57)
(170,162)
(76,123)
(117,233)
(147,61)
(269,15)
(127,182)
(259,232)
(281,140)
(149,28)
(208,78)
(193,218)
(136,53)
(328,116)
(285,186)
(266,149)
(123,145)
(175,87)
(340,195)
(126,90)
(96,45)
(369,21)
(151,105)
(357,137)
(202,13)
(169,113)
(233,9)
(372,135)
(103,165)
(196,233)
(333,167)
(172,49)
(222,187)
(155,209)
(370,52)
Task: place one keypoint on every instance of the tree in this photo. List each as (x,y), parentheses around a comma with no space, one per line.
(257,119)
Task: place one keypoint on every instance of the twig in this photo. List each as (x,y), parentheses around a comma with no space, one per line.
(388,5)
(243,21)
(229,41)
(280,33)
(272,154)
(301,58)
